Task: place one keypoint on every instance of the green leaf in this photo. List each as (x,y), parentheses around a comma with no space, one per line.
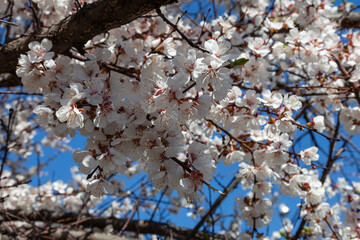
(240,62)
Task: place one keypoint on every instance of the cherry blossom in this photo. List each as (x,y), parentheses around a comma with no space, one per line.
(71,115)
(319,123)
(177,102)
(309,155)
(40,51)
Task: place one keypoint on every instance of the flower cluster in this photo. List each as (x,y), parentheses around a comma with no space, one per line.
(148,101)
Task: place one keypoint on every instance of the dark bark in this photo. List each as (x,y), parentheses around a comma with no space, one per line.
(137,226)
(75,30)
(351,21)
(9,80)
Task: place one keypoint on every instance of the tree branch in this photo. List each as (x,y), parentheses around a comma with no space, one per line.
(352,20)
(145,227)
(75,30)
(9,80)
(232,185)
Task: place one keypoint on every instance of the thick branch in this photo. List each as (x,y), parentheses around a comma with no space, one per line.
(75,30)
(352,20)
(62,233)
(9,80)
(145,227)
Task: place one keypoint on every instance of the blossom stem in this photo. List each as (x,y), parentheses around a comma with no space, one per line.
(304,126)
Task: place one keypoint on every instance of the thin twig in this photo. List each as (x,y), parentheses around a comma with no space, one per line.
(7,22)
(122,70)
(158,203)
(132,213)
(189,87)
(20,93)
(178,30)
(332,229)
(33,9)
(231,186)
(331,159)
(242,143)
(8,131)
(189,170)
(314,130)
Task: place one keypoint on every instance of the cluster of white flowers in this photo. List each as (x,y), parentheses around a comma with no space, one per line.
(56,197)
(148,101)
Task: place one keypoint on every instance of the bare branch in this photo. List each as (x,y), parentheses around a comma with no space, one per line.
(7,22)
(146,227)
(232,185)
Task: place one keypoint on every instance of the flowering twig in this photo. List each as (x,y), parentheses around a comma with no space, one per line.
(311,129)
(189,170)
(242,143)
(122,70)
(16,184)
